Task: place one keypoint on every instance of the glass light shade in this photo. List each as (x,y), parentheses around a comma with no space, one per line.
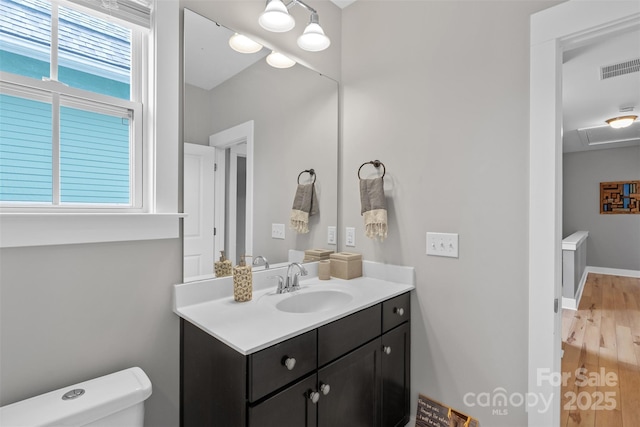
(276,17)
(278,60)
(621,122)
(313,38)
(244,44)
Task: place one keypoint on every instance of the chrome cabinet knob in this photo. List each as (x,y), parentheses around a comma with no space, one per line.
(314,396)
(386,349)
(325,388)
(289,362)
(399,311)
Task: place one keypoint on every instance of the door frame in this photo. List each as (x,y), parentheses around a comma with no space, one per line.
(242,133)
(553,30)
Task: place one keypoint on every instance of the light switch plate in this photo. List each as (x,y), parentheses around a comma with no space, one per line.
(442,244)
(277,231)
(350,239)
(331,235)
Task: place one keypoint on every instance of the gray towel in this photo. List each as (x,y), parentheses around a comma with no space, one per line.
(305,204)
(373,207)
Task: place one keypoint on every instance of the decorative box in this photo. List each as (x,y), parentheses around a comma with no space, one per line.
(346,265)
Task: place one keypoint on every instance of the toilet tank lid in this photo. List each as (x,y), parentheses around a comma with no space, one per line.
(102,397)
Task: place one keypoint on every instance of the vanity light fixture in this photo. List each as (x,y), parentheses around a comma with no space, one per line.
(243,44)
(278,60)
(313,38)
(276,18)
(621,122)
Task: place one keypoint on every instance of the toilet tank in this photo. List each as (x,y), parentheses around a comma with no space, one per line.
(115,400)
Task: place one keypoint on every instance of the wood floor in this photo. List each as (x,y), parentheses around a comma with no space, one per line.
(601,343)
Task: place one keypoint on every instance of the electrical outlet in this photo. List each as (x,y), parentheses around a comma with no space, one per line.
(331,235)
(442,244)
(350,236)
(277,231)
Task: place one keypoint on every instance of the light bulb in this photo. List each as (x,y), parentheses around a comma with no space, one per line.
(244,44)
(621,122)
(276,17)
(278,60)
(313,39)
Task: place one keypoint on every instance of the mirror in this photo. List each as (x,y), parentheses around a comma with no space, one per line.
(261,127)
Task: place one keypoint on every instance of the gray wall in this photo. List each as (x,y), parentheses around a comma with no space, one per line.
(75,312)
(439,91)
(295,114)
(613,239)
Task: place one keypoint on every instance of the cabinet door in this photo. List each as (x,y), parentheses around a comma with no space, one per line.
(396,362)
(292,407)
(350,389)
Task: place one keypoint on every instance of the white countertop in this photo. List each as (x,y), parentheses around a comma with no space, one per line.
(251,326)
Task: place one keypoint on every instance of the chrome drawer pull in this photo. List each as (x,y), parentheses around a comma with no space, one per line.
(325,388)
(399,311)
(289,362)
(314,396)
(386,349)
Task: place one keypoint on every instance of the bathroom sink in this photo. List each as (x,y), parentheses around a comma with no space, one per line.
(314,301)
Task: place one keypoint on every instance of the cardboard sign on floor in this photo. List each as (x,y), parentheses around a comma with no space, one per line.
(434,414)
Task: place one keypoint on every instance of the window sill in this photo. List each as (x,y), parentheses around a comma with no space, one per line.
(42,229)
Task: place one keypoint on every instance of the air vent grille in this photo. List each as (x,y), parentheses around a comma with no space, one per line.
(615,70)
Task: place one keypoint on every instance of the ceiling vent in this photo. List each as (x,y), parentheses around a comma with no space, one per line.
(622,68)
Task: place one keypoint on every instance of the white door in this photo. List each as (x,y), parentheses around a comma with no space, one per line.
(199,167)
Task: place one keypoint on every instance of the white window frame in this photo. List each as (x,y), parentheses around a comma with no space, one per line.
(158,217)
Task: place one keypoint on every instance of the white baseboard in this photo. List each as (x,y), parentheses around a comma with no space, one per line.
(572,304)
(614,271)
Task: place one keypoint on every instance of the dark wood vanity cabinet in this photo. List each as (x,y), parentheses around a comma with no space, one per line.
(352,372)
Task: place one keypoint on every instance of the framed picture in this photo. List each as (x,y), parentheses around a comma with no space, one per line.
(620,197)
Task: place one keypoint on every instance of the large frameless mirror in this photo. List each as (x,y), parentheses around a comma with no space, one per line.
(250,130)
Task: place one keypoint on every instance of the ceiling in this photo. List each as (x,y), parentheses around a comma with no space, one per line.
(209,60)
(589,100)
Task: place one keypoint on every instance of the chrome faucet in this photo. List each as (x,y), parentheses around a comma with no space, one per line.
(292,280)
(263,259)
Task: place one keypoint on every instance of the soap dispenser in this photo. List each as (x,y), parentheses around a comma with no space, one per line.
(223,267)
(242,281)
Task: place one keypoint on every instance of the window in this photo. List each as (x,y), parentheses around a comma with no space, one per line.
(70,109)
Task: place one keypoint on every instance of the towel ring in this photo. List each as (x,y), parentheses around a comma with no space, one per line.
(310,172)
(376,164)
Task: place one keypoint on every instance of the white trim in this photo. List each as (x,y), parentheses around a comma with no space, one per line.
(614,271)
(573,304)
(571,243)
(572,23)
(227,138)
(74,228)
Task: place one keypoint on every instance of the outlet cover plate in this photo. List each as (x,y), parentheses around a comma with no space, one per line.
(277,231)
(350,235)
(331,235)
(442,244)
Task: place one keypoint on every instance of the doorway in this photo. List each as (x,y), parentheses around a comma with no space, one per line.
(552,30)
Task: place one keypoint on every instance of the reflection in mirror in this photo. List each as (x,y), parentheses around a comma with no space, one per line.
(258,127)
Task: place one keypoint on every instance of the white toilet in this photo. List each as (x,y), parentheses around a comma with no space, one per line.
(115,400)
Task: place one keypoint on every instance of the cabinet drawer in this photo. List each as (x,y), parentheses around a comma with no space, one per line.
(343,335)
(267,370)
(396,311)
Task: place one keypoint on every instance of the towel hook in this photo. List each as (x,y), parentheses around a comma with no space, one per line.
(376,164)
(310,172)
